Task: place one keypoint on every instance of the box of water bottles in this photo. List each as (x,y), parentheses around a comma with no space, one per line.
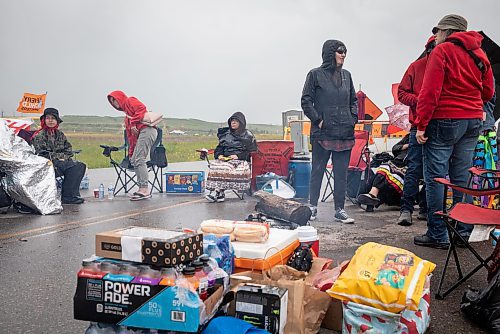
(121,297)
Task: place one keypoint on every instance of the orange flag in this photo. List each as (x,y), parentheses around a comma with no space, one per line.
(32,103)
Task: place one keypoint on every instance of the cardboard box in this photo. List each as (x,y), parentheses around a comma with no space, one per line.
(185,182)
(141,305)
(157,247)
(263,306)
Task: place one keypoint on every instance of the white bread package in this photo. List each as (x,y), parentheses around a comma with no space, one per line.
(219,227)
(251,232)
(237,230)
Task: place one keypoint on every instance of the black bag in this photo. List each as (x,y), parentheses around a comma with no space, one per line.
(483,307)
(159,156)
(301,259)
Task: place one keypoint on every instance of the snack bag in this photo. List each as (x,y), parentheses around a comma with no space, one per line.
(388,278)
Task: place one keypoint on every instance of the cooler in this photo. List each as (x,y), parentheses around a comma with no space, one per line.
(271,156)
(261,256)
(299,169)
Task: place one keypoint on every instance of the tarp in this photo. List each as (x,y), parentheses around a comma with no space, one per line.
(18,124)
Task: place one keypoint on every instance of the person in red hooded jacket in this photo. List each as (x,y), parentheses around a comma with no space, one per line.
(458,80)
(140,137)
(408,94)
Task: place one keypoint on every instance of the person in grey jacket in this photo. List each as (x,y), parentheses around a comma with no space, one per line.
(329,101)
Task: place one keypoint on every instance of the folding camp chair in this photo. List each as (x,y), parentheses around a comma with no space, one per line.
(359,166)
(470,214)
(125,175)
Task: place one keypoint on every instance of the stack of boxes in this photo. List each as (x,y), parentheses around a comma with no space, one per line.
(130,299)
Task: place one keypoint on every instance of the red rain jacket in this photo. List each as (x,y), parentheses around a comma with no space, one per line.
(453,85)
(411,83)
(134,113)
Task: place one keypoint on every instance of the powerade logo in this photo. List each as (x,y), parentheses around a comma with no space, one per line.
(107,246)
(117,292)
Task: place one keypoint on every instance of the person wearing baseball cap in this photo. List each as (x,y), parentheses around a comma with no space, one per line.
(458,80)
(51,143)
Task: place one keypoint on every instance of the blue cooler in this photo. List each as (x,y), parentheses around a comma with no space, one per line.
(299,172)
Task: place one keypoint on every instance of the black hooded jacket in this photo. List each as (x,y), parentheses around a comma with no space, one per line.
(241,142)
(323,100)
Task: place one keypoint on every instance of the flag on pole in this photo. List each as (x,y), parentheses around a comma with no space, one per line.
(17,124)
(32,103)
(366,108)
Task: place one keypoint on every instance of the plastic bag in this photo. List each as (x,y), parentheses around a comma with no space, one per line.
(388,278)
(483,307)
(221,250)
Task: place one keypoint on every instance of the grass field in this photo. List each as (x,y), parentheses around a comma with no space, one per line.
(179,148)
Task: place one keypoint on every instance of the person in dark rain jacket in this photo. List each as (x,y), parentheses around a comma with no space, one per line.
(329,101)
(231,170)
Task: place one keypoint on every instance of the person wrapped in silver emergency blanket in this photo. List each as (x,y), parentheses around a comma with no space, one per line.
(29,178)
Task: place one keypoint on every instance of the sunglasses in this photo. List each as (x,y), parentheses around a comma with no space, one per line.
(341,50)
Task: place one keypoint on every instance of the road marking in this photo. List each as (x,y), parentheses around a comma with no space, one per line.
(80,223)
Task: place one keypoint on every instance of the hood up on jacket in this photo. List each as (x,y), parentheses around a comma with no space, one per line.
(119,96)
(471,40)
(240,118)
(328,53)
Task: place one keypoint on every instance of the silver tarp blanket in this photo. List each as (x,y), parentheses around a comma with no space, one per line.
(30,179)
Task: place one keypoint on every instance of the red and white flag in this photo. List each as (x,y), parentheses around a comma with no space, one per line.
(18,124)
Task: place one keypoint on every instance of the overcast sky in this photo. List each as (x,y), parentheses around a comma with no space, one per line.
(207,59)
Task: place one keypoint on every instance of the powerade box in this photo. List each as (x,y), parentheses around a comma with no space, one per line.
(133,304)
(185,182)
(263,306)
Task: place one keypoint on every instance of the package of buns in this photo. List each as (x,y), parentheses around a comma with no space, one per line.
(251,232)
(219,227)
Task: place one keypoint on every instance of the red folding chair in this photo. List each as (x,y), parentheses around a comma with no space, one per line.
(470,214)
(359,162)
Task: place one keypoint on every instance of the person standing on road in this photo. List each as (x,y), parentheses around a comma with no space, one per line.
(408,91)
(51,143)
(140,138)
(458,80)
(329,101)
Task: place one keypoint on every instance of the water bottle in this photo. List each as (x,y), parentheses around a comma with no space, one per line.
(85,182)
(101,191)
(496,233)
(111,192)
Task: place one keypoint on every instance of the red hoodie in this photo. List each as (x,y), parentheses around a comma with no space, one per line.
(134,113)
(411,83)
(453,85)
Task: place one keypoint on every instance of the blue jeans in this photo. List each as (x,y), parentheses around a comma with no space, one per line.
(448,151)
(414,174)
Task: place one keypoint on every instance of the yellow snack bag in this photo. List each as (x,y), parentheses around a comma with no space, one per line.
(388,278)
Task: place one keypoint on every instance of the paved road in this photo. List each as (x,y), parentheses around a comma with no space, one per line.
(40,255)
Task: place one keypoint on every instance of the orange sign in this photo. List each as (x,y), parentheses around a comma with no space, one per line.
(32,103)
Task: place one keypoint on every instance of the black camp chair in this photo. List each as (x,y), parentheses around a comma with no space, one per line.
(125,175)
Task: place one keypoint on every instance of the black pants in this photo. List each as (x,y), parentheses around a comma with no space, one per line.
(340,161)
(73,172)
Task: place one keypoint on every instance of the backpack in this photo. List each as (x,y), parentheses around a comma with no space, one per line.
(159,156)
(302,258)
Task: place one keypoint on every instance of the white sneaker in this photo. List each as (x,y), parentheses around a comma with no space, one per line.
(341,216)
(220,196)
(314,212)
(211,198)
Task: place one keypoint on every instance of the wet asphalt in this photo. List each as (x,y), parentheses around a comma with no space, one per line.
(40,255)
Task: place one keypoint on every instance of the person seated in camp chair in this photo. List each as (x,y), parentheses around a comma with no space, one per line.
(140,137)
(51,143)
(231,170)
(388,180)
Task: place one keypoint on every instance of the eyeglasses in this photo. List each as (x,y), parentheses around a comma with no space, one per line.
(341,50)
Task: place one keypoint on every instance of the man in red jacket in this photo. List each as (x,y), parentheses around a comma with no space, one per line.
(140,138)
(408,91)
(458,80)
